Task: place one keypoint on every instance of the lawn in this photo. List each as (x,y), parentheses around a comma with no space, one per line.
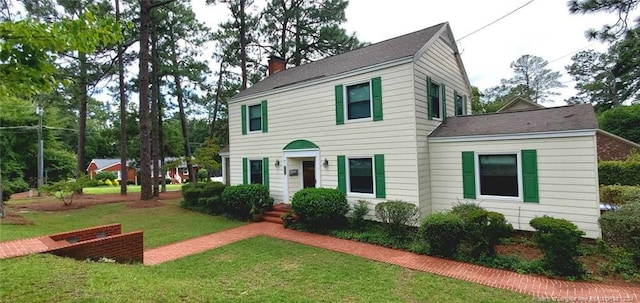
(161,225)
(260,269)
(116,189)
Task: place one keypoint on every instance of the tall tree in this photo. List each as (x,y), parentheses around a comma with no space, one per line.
(304,30)
(609,32)
(237,34)
(146,192)
(122,96)
(532,79)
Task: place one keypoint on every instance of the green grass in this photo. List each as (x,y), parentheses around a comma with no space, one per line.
(260,269)
(161,225)
(102,190)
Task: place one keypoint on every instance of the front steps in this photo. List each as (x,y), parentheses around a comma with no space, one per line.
(273,215)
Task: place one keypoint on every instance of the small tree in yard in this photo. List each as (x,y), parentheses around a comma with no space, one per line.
(66,190)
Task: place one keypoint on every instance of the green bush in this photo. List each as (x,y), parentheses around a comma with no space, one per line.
(619,194)
(240,200)
(483,230)
(106,175)
(320,207)
(203,197)
(396,215)
(359,211)
(9,188)
(619,172)
(443,232)
(203,175)
(622,228)
(558,239)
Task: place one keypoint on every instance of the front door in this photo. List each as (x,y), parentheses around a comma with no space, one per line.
(308,174)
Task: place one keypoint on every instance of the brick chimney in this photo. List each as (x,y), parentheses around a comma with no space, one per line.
(276,64)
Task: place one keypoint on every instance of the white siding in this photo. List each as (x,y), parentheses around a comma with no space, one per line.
(309,113)
(439,63)
(567,179)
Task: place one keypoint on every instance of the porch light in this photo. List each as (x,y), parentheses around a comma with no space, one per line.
(325,163)
(277,163)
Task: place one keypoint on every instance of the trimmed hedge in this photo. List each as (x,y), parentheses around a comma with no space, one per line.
(558,239)
(619,194)
(619,172)
(240,201)
(203,197)
(396,215)
(622,228)
(443,232)
(320,207)
(483,230)
(106,175)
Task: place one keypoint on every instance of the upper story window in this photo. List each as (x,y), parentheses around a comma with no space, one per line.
(435,100)
(459,105)
(358,101)
(255,117)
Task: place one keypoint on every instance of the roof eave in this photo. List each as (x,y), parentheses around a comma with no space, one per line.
(366,69)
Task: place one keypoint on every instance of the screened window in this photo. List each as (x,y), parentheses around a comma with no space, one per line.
(358,101)
(255,171)
(499,175)
(361,175)
(459,105)
(255,117)
(435,100)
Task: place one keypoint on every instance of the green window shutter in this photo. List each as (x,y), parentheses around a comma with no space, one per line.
(444,103)
(468,175)
(376,89)
(381,191)
(264,116)
(265,172)
(464,106)
(245,167)
(342,176)
(244,119)
(455,103)
(429,108)
(339,105)
(530,176)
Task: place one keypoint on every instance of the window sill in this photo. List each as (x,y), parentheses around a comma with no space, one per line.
(347,121)
(500,198)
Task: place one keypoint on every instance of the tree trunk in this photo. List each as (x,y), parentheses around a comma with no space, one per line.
(155,130)
(161,144)
(216,105)
(124,171)
(183,116)
(146,193)
(82,118)
(243,44)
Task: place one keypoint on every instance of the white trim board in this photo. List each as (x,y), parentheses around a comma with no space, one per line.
(522,136)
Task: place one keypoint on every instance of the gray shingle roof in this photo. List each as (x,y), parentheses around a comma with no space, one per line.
(565,118)
(381,52)
(102,163)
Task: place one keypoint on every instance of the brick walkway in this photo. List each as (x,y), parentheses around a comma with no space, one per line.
(25,247)
(537,286)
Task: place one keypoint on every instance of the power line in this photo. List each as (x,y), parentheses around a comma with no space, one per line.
(494,21)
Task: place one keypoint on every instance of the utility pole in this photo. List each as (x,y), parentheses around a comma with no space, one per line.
(39,111)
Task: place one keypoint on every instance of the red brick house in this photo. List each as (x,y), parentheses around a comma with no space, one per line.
(112,165)
(612,147)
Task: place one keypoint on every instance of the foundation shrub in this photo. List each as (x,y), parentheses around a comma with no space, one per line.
(397,215)
(359,211)
(203,197)
(320,207)
(559,240)
(240,200)
(443,233)
(483,230)
(622,228)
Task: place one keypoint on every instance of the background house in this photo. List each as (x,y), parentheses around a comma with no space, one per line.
(110,165)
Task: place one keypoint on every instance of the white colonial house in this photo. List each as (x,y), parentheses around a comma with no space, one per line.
(392,121)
